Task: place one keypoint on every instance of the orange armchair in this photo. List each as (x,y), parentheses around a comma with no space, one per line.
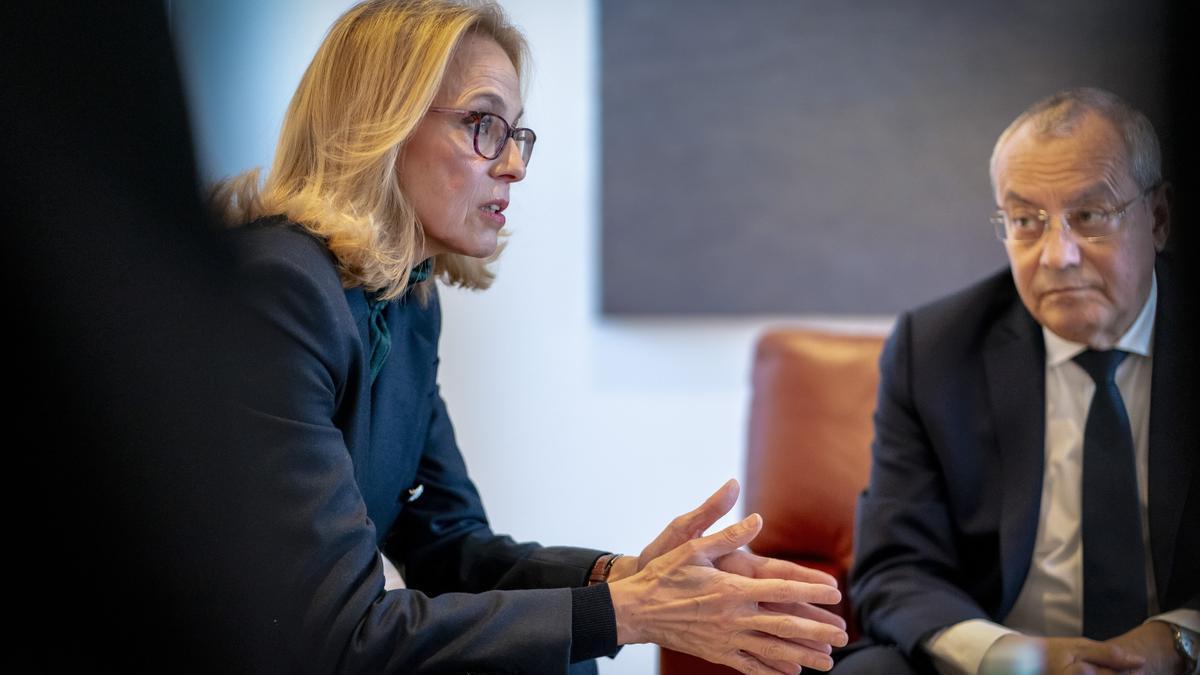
(808,457)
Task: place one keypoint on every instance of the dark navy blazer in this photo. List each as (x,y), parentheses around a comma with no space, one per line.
(348,451)
(946,528)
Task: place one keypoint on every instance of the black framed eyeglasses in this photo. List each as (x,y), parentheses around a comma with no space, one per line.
(1027,224)
(492,133)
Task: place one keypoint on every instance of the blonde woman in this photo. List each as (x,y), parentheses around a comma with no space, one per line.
(394,168)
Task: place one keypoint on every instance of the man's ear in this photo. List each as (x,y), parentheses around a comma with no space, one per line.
(1160,209)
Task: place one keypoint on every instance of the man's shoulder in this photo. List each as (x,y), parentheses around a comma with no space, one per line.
(968,315)
(995,290)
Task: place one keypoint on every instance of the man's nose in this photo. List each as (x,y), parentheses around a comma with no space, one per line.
(1059,247)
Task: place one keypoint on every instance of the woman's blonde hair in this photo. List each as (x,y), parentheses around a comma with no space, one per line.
(367,89)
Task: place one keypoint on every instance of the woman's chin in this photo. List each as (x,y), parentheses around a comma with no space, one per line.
(484,247)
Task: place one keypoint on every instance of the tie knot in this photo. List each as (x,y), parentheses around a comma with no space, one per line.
(1102,366)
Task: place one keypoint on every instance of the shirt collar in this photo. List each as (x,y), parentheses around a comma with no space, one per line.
(1139,339)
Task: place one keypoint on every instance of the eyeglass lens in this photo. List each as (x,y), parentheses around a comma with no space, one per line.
(492,134)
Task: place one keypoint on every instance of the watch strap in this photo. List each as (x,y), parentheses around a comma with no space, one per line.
(602,568)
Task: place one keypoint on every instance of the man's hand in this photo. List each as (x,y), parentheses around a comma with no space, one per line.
(1154,641)
(1018,653)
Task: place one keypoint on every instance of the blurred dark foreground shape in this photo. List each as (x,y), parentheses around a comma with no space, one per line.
(132,484)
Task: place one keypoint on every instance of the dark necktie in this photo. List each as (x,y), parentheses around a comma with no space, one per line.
(1114,574)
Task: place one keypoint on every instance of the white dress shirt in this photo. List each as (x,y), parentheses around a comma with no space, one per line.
(1050,603)
(392,579)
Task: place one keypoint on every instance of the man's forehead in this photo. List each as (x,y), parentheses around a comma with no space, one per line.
(1091,137)
(1093,152)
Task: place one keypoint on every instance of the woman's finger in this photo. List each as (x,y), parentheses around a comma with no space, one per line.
(745,663)
(780,591)
(760,567)
(707,549)
(691,524)
(808,611)
(793,628)
(767,648)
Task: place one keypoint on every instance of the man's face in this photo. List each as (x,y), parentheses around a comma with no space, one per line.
(1087,292)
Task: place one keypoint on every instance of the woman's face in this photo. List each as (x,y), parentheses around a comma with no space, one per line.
(459,196)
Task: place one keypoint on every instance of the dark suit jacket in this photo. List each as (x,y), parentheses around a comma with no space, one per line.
(349,452)
(946,527)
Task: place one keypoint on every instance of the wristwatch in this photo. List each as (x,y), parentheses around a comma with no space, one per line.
(603,566)
(1187,643)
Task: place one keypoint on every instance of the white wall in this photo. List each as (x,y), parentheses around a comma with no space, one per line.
(578,429)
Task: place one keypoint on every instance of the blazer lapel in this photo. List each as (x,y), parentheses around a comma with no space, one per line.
(395,409)
(358,443)
(1015,364)
(1173,441)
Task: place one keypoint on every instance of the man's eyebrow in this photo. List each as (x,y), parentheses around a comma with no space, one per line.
(1093,193)
(1098,192)
(1014,197)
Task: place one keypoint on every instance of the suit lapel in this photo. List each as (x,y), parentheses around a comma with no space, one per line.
(1015,364)
(1173,442)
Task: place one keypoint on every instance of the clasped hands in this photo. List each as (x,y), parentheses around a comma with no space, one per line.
(1147,649)
(704,596)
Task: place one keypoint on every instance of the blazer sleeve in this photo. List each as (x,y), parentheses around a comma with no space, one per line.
(905,579)
(330,612)
(443,540)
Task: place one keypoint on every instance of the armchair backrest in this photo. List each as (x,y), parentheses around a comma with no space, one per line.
(810,433)
(809,455)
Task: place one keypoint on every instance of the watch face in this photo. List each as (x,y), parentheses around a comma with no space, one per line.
(1187,644)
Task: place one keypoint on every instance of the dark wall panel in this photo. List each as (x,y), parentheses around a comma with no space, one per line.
(827,156)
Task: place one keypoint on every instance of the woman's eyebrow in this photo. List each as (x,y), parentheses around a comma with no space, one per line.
(495,101)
